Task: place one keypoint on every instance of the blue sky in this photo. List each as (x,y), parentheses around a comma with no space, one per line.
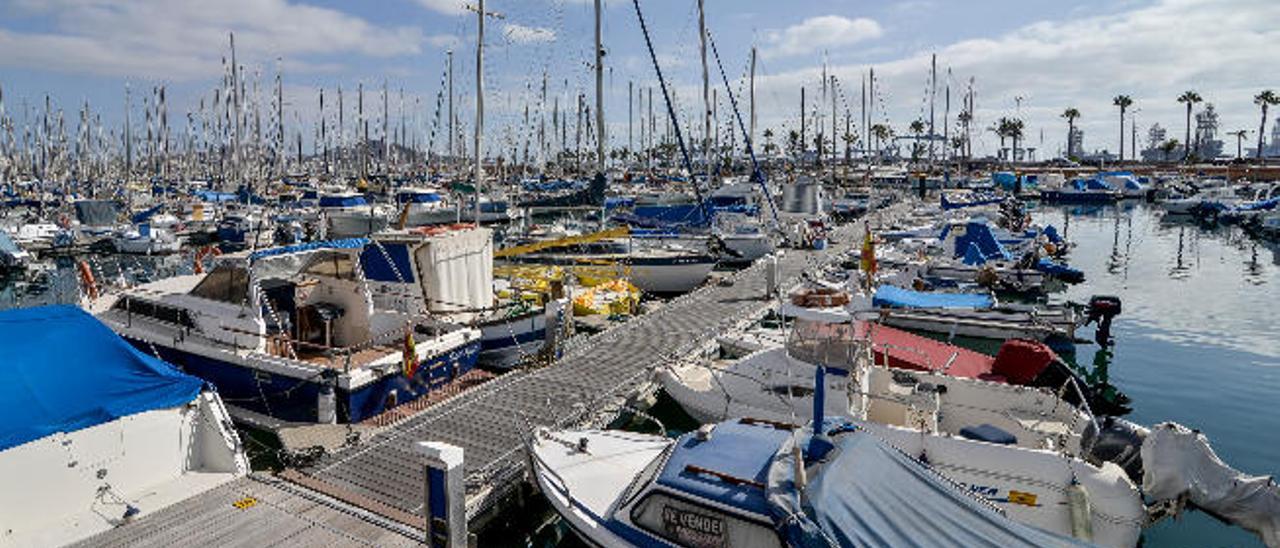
(1052,54)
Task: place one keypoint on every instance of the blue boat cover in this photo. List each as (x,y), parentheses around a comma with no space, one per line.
(863,492)
(889,296)
(347,243)
(62,370)
(979,234)
(342,201)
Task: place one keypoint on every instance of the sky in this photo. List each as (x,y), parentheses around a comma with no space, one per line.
(1051,54)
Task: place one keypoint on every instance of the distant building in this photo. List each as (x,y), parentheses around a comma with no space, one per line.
(1075,143)
(1156,137)
(1272,148)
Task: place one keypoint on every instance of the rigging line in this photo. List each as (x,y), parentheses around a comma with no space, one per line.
(756,172)
(675,123)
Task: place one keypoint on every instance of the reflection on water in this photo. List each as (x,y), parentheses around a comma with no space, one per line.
(1197,341)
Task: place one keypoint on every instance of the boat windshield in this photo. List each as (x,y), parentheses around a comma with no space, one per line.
(227,282)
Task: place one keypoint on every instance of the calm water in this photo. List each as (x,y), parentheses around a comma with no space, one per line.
(1197,341)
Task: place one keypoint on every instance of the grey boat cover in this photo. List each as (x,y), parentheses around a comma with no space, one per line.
(1178,461)
(863,492)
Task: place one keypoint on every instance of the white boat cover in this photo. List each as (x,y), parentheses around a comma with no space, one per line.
(1177,460)
(863,492)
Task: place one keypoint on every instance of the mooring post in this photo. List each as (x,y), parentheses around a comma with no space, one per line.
(445,492)
(770,276)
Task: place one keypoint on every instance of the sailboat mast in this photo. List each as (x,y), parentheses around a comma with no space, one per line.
(600,132)
(449,62)
(751,83)
(706,96)
(479,130)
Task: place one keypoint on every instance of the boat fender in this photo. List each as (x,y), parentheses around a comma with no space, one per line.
(1081,514)
(86,280)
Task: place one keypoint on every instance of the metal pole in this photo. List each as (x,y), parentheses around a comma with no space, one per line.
(600,133)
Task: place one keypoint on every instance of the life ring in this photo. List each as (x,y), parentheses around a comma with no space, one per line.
(197,262)
(87,281)
(820,298)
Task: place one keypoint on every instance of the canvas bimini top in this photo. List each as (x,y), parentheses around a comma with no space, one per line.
(62,370)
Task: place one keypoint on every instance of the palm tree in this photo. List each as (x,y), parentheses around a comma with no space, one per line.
(882,133)
(1001,129)
(1264,100)
(1239,135)
(1190,97)
(1015,133)
(1122,101)
(917,128)
(793,142)
(849,139)
(1168,147)
(1070,114)
(768,141)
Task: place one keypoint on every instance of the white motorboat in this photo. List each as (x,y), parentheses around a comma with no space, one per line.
(349,214)
(292,332)
(97,433)
(12,256)
(423,206)
(1012,444)
(146,239)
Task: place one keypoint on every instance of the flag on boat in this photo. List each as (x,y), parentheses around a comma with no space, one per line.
(868,263)
(409,361)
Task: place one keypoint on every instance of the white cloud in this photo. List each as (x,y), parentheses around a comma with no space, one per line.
(447,7)
(1153,53)
(822,32)
(185,39)
(521,34)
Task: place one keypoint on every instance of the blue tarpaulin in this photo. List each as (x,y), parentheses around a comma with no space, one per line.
(62,370)
(979,235)
(896,297)
(866,493)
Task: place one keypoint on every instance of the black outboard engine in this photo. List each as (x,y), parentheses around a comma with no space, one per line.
(1117,441)
(1102,309)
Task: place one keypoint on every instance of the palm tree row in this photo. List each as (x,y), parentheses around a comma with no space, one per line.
(1264,100)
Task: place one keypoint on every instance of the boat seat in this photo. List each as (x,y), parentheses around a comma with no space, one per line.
(989,434)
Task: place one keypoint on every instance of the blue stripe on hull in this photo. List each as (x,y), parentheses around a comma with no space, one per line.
(292,399)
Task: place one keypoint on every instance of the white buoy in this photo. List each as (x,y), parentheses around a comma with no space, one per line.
(326,405)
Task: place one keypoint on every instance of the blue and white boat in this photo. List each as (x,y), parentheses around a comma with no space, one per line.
(760,483)
(1091,190)
(348,214)
(423,206)
(95,433)
(293,333)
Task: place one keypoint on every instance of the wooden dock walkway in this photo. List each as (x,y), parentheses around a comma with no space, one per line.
(372,493)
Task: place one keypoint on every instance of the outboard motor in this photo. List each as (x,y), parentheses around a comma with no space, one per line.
(1102,309)
(1116,441)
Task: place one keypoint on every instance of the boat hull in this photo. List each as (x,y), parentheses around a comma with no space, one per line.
(292,399)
